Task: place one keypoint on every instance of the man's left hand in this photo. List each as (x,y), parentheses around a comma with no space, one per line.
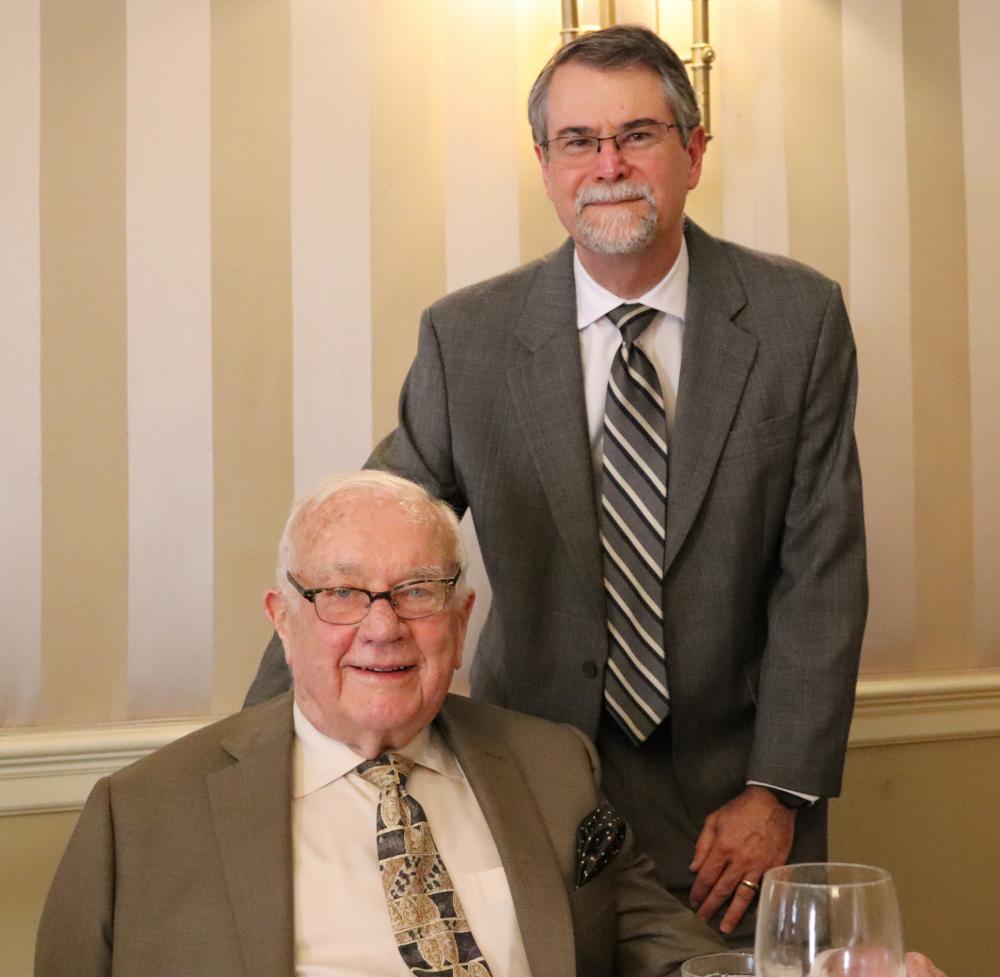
(741,840)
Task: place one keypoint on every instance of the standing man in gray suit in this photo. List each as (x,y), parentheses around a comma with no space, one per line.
(653,430)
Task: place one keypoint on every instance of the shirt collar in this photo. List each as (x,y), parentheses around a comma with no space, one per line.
(318,760)
(669,294)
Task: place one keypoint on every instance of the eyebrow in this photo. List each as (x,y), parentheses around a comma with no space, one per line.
(590,131)
(424,572)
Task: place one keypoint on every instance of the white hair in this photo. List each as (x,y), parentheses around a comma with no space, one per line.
(422,504)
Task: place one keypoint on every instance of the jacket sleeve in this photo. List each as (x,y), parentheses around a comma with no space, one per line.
(818,605)
(420,448)
(75,935)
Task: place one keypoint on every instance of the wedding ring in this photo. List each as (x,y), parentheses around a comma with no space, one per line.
(750,885)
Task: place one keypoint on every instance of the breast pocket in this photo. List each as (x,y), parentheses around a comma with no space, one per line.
(750,439)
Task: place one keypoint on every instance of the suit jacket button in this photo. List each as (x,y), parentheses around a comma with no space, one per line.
(590,669)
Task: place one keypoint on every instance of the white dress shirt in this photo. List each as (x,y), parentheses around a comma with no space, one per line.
(341,921)
(600,340)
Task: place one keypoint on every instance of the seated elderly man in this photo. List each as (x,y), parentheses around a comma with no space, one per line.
(374,825)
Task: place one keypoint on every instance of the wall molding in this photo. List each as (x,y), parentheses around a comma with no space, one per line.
(53,769)
(926,708)
(45,770)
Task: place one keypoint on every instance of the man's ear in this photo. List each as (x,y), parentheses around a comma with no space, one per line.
(464,613)
(274,608)
(697,144)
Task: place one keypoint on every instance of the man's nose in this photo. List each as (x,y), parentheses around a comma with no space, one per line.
(381,623)
(611,162)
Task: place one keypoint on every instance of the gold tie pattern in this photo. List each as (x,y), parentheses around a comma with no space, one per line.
(426,916)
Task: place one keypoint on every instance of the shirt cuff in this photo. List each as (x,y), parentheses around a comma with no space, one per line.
(809,798)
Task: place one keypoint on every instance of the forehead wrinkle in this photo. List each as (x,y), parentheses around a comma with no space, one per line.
(320,524)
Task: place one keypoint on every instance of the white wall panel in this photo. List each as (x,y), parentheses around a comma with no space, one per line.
(751,129)
(20,390)
(880,313)
(331,238)
(169,357)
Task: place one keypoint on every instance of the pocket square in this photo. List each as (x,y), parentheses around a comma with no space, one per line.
(598,839)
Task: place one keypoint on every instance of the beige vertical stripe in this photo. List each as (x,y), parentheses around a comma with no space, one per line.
(537,40)
(979,23)
(816,154)
(20,391)
(331,240)
(251,283)
(939,330)
(750,146)
(407,185)
(880,313)
(84,463)
(169,358)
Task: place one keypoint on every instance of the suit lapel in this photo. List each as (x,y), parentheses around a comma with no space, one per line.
(546,385)
(715,363)
(251,812)
(536,885)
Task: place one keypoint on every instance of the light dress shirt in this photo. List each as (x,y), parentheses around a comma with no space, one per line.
(341,921)
(600,340)
(661,341)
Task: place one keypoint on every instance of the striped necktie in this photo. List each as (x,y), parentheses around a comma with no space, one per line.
(633,524)
(428,921)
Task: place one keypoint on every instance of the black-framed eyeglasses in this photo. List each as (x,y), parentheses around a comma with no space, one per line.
(411,600)
(631,141)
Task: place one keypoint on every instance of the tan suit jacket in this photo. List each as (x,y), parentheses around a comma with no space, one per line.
(181,865)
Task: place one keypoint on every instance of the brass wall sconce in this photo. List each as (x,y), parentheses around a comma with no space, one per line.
(699,62)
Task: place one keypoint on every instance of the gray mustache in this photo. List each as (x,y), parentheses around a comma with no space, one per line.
(610,193)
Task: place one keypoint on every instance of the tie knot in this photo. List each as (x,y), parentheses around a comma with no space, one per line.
(631,319)
(386,770)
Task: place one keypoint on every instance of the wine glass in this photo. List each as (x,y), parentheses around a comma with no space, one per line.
(825,919)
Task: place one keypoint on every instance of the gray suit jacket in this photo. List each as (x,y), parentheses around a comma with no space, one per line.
(765,592)
(182,864)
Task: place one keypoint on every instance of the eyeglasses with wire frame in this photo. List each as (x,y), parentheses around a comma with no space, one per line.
(412,600)
(633,140)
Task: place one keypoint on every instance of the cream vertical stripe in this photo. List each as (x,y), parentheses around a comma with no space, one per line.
(537,40)
(169,358)
(880,313)
(252,330)
(484,125)
(979,25)
(331,238)
(84,447)
(20,391)
(939,331)
(407,187)
(751,133)
(815,151)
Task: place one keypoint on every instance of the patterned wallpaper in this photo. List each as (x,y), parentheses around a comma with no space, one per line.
(221,218)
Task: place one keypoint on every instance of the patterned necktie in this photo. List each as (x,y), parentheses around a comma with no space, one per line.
(633,521)
(427,919)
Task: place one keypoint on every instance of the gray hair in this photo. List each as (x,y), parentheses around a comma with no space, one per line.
(612,49)
(368,484)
